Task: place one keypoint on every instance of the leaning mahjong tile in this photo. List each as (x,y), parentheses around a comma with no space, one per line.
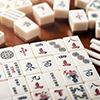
(18,86)
(93,88)
(71,76)
(30,66)
(26,96)
(88,73)
(60,93)
(23,51)
(64,61)
(2,75)
(78,92)
(73,43)
(40,49)
(57,46)
(80,58)
(7,55)
(12,70)
(4,90)
(6,98)
(54,79)
(36,82)
(47,63)
(41,95)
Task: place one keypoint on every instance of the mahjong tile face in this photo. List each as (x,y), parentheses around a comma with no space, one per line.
(88,73)
(23,51)
(36,82)
(57,46)
(41,95)
(12,70)
(73,43)
(2,75)
(64,61)
(7,55)
(26,96)
(54,79)
(60,93)
(18,86)
(6,99)
(71,76)
(93,88)
(40,49)
(30,66)
(80,58)
(47,63)
(78,92)
(4,90)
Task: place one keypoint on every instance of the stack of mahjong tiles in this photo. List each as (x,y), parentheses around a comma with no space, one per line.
(57,69)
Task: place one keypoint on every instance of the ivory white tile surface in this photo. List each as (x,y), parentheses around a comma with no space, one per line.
(64,61)
(12,70)
(4,90)
(26,29)
(22,5)
(23,51)
(61,8)
(57,46)
(88,73)
(97,99)
(26,96)
(93,16)
(54,79)
(39,95)
(36,82)
(2,40)
(6,99)
(40,49)
(60,93)
(7,55)
(10,16)
(2,75)
(71,76)
(47,64)
(78,20)
(18,86)
(93,88)
(80,58)
(78,92)
(43,14)
(73,43)
(97,30)
(30,66)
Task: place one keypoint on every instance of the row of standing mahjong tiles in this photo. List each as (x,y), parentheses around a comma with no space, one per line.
(35,86)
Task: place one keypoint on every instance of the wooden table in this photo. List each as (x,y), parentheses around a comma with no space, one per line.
(59,29)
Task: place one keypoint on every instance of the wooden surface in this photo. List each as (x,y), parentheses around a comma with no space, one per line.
(59,29)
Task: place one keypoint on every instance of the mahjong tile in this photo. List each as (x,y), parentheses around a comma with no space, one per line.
(36,82)
(4,90)
(97,99)
(80,58)
(57,46)
(47,63)
(18,86)
(64,61)
(97,29)
(30,66)
(6,99)
(78,92)
(2,40)
(12,69)
(41,95)
(2,75)
(60,93)
(40,49)
(73,43)
(7,55)
(26,96)
(23,51)
(71,76)
(54,79)
(93,88)
(88,73)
